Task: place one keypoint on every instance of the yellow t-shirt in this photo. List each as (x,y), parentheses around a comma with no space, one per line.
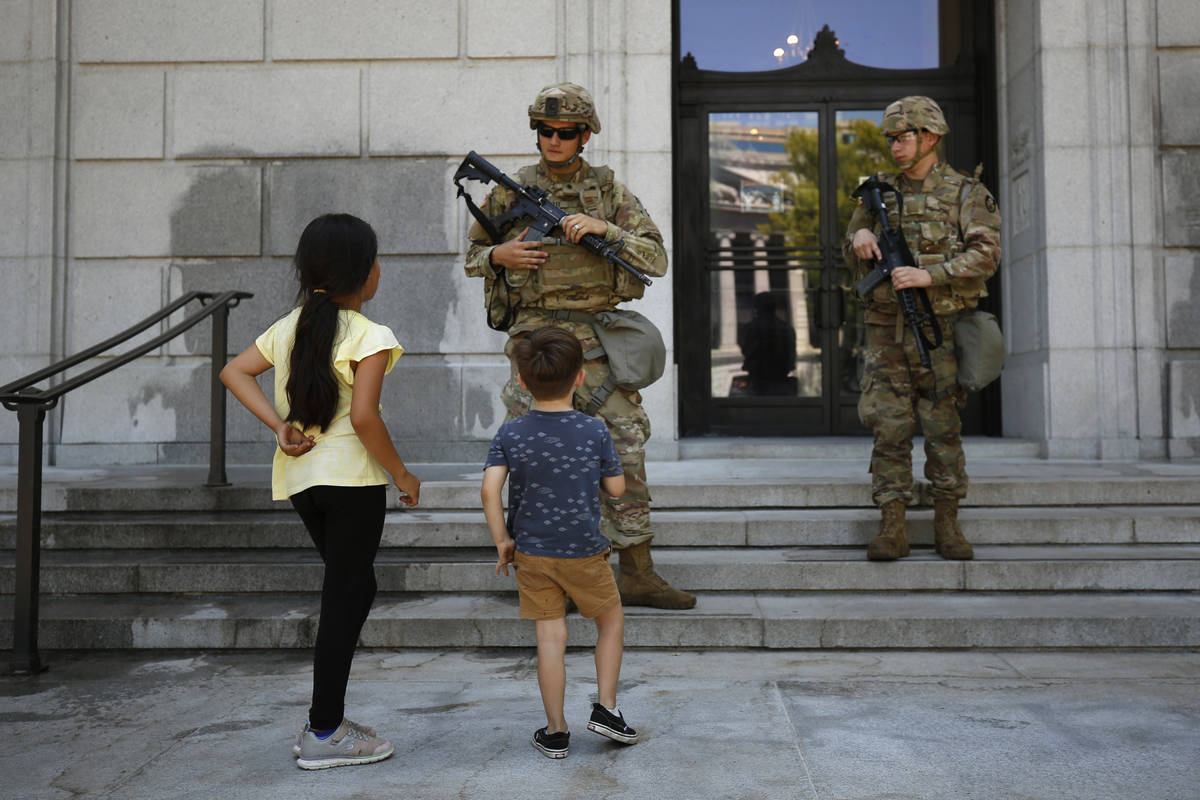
(339,458)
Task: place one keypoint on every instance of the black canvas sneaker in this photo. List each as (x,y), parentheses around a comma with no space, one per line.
(552,745)
(611,725)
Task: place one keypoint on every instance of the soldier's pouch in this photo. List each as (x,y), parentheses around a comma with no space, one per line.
(636,353)
(933,231)
(979,348)
(571,267)
(592,200)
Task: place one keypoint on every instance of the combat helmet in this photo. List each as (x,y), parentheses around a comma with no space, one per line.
(568,102)
(915,112)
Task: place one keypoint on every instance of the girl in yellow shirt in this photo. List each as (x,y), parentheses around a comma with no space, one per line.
(334,456)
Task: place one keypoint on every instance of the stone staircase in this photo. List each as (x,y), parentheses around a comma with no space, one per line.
(1068,554)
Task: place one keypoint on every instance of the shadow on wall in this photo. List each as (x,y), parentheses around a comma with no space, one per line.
(405,200)
(421,397)
(216,234)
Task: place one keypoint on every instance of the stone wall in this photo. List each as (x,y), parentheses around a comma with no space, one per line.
(198,137)
(1177,58)
(1096,130)
(29,195)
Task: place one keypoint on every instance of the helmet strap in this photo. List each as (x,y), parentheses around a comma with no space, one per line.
(920,154)
(920,138)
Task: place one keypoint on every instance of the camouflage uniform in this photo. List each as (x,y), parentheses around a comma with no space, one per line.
(952,227)
(574,279)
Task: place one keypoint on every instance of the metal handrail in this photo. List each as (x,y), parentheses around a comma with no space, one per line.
(94,350)
(31,405)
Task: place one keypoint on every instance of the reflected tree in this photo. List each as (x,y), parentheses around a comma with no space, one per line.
(861,152)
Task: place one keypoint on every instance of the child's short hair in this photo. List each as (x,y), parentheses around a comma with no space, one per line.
(548,361)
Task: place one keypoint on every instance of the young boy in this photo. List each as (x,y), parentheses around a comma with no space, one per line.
(556,460)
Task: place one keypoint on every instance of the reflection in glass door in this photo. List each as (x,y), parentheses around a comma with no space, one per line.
(780,351)
(765,342)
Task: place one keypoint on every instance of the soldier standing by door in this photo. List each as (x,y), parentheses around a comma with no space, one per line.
(555,282)
(952,227)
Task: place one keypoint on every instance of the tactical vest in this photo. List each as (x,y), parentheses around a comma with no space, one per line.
(573,277)
(931,228)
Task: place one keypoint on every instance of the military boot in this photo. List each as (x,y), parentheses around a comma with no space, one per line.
(640,585)
(891,543)
(948,536)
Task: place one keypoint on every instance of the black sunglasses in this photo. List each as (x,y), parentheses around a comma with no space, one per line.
(566,134)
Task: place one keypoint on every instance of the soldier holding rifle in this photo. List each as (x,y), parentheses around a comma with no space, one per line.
(952,228)
(553,281)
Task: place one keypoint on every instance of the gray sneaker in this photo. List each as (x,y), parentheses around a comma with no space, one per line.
(345,746)
(369,731)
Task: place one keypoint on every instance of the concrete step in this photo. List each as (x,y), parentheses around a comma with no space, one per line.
(1075,568)
(682,485)
(772,620)
(716,527)
(840,448)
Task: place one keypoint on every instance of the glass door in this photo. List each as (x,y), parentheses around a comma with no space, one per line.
(776,121)
(784,330)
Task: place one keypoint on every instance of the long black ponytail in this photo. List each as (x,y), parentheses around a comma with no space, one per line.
(334,259)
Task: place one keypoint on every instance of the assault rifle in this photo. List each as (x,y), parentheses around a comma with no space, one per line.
(896,254)
(532,203)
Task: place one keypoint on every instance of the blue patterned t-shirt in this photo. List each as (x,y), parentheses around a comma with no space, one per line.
(555,461)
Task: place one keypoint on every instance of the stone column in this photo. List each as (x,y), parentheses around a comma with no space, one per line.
(1084,316)
(1177,60)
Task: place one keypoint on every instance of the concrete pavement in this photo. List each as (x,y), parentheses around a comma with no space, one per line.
(811,725)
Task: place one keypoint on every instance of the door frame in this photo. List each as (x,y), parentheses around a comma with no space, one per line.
(825,81)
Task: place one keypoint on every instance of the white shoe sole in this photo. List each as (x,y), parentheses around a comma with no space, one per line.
(616,736)
(296,746)
(548,753)
(341,761)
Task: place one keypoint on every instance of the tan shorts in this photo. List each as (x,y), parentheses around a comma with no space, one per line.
(545,583)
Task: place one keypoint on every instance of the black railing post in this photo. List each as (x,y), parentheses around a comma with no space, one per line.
(216,433)
(25,658)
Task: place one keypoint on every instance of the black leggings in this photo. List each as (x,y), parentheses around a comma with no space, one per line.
(345,523)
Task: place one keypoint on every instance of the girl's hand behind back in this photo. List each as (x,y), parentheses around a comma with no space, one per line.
(293,442)
(239,376)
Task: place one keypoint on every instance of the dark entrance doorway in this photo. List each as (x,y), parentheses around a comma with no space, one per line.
(768,329)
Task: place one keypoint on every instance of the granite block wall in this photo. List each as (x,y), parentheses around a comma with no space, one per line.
(190,141)
(1177,57)
(1099,121)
